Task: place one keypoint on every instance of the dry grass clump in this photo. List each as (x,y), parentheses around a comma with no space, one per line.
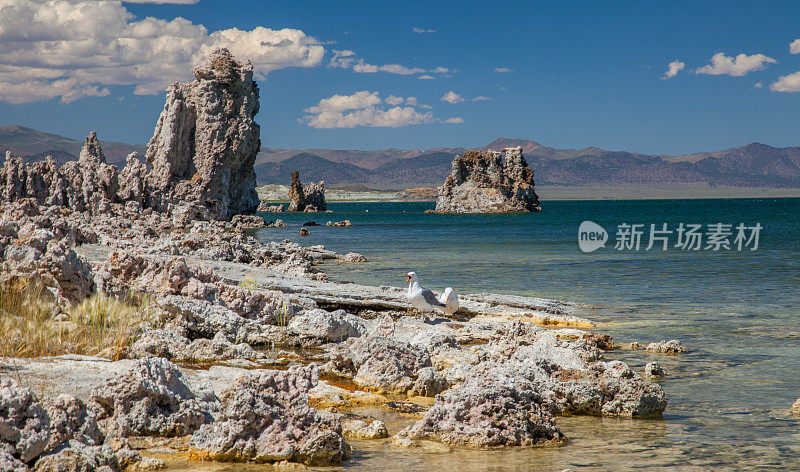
(98,325)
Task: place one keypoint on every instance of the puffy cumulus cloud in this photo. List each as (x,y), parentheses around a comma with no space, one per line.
(423,30)
(787,83)
(76,48)
(673,68)
(794,46)
(365,109)
(503,70)
(454,121)
(426,77)
(452,97)
(737,66)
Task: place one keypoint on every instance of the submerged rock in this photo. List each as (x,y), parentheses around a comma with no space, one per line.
(796,407)
(360,429)
(205,142)
(265,417)
(151,399)
(308,198)
(654,371)
(485,182)
(673,346)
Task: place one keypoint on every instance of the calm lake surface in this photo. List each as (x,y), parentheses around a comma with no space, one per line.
(738,310)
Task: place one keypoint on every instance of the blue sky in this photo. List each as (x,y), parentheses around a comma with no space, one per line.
(582,74)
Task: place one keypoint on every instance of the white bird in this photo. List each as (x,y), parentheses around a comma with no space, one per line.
(450,301)
(421,298)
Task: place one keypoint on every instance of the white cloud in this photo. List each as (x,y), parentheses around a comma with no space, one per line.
(423,30)
(456,121)
(673,68)
(363,68)
(346,59)
(758,85)
(426,77)
(787,83)
(364,109)
(452,97)
(794,47)
(738,66)
(342,59)
(503,70)
(75,48)
(394,100)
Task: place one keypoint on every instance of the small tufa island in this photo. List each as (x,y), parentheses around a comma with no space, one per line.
(489,182)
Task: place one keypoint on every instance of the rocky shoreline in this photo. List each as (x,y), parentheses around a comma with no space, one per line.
(141,318)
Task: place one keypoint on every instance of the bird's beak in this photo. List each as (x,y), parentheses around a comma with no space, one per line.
(408,277)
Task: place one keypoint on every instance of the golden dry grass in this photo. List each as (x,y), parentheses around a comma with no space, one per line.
(96,325)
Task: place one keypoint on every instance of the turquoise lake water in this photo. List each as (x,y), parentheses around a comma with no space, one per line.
(739,312)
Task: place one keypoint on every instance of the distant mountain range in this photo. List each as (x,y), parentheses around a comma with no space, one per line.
(33,145)
(753,165)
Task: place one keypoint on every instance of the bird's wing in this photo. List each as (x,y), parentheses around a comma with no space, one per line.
(430,298)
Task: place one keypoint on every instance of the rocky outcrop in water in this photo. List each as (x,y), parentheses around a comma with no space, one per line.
(206,140)
(308,198)
(489,182)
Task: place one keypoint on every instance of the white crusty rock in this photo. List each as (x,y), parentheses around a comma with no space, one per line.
(151,399)
(487,411)
(24,424)
(379,364)
(323,326)
(206,140)
(133,180)
(265,417)
(485,182)
(71,419)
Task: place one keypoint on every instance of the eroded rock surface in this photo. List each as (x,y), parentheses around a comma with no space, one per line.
(151,399)
(265,417)
(308,198)
(489,182)
(206,141)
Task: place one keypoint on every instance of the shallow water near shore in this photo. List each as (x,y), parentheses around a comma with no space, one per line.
(739,312)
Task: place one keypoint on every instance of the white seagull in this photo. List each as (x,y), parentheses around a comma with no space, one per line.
(425,300)
(450,301)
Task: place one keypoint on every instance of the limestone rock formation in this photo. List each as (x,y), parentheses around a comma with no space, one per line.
(206,140)
(151,399)
(486,182)
(88,184)
(310,198)
(265,417)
